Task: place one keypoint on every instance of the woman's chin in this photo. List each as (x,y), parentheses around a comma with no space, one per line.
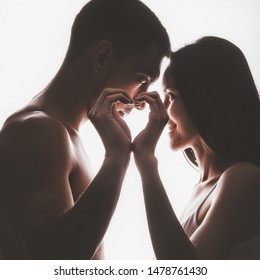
(176,145)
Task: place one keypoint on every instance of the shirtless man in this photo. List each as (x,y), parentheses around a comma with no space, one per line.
(61,211)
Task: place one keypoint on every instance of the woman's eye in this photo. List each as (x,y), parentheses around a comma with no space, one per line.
(171,95)
(143,80)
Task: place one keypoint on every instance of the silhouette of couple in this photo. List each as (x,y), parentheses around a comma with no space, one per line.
(51,207)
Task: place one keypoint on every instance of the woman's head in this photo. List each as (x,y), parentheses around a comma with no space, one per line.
(182,131)
(218,92)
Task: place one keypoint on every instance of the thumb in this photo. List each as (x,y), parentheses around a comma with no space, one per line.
(121,123)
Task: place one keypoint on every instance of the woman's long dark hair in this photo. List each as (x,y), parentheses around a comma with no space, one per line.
(219,93)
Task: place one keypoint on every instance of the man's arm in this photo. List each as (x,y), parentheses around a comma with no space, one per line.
(39,166)
(12,245)
(78,233)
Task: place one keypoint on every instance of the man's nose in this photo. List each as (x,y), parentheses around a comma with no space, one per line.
(140,90)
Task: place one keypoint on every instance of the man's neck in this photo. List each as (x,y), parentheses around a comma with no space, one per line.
(68,97)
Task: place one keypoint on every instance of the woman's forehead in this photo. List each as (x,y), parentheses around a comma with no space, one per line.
(168,79)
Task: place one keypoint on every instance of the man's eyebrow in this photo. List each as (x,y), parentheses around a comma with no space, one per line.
(152,74)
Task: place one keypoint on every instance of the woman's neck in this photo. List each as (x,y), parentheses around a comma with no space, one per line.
(211,165)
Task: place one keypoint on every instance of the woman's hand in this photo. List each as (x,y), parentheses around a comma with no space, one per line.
(112,129)
(145,142)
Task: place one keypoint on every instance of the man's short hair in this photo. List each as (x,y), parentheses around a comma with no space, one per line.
(128,24)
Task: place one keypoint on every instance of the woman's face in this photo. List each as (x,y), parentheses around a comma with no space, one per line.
(182,131)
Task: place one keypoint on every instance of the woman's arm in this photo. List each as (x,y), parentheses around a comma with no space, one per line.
(168,238)
(235,206)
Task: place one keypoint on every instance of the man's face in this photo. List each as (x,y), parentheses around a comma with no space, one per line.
(134,74)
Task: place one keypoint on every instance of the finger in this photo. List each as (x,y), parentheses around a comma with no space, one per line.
(150,93)
(155,112)
(107,102)
(106,92)
(153,94)
(122,123)
(157,97)
(148,99)
(151,99)
(139,105)
(155,103)
(112,91)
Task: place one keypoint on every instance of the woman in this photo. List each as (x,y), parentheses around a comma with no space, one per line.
(214,117)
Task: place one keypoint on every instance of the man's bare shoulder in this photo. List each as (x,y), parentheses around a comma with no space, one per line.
(34,133)
(32,124)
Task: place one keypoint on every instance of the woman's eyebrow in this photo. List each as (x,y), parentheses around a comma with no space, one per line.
(165,89)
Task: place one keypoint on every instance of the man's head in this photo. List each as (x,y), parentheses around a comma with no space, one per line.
(122,42)
(129,25)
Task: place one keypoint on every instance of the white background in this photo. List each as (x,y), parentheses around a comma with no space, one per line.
(34,38)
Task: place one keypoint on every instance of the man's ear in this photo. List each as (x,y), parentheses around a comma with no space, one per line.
(102,55)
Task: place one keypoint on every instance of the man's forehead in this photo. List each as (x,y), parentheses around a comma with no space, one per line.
(147,63)
(153,72)
(151,63)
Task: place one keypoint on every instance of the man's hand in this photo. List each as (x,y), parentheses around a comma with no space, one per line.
(112,129)
(145,142)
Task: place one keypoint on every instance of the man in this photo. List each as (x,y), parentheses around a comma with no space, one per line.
(114,54)
(12,245)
